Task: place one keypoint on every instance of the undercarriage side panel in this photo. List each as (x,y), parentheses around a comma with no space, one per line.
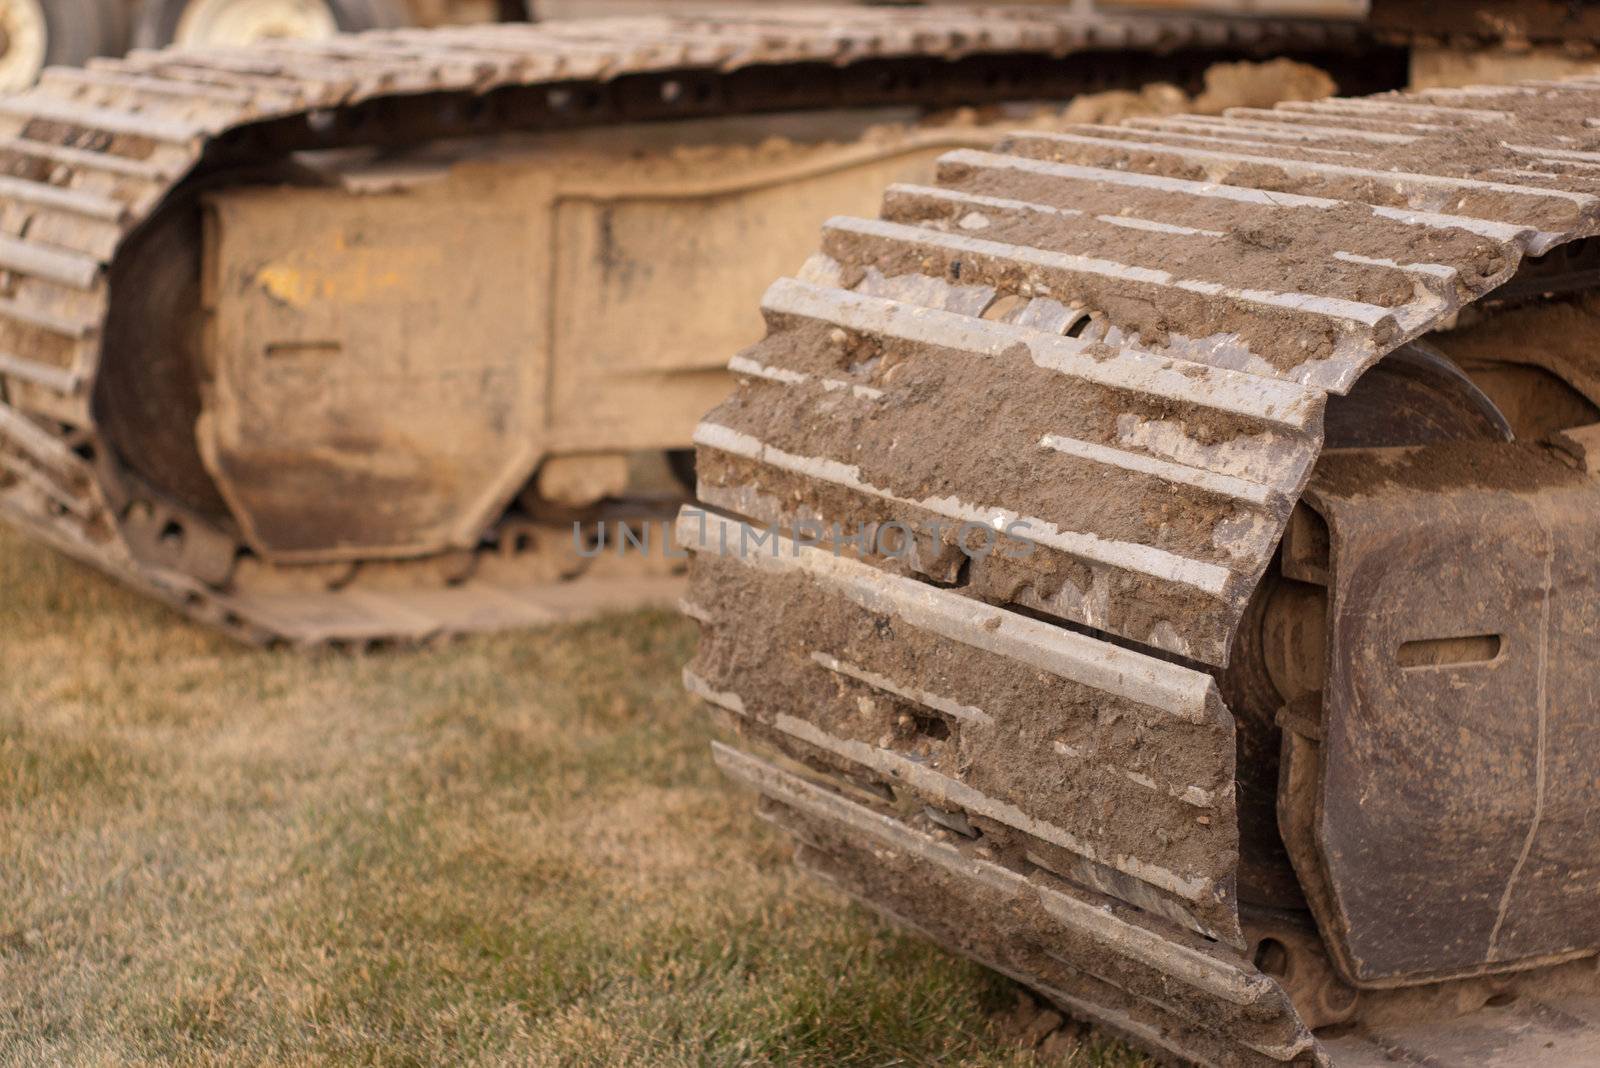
(367,395)
(1457,818)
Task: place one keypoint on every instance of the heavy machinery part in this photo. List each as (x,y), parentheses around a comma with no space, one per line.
(991,509)
(1477,42)
(39,33)
(1500,661)
(564,346)
(129,446)
(1514,22)
(225,23)
(1311,9)
(1303,9)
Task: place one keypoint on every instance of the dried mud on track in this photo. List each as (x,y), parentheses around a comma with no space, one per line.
(1227,85)
(505,850)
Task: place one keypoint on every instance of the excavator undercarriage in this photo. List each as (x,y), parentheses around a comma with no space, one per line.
(336,341)
(1155,560)
(1158,561)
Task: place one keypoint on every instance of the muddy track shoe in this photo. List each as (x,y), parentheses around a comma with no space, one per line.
(311,488)
(1157,561)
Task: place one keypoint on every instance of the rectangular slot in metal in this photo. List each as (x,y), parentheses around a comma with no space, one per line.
(1449,652)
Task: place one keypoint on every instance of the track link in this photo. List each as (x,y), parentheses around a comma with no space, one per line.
(1115,343)
(91,156)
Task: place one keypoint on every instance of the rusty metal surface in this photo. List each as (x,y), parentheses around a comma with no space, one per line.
(1119,342)
(92,156)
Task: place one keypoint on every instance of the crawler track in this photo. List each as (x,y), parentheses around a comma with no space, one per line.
(1118,341)
(92,156)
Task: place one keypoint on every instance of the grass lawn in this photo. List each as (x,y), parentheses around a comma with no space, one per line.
(509,849)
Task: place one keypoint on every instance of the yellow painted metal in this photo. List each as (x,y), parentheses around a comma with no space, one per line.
(391,356)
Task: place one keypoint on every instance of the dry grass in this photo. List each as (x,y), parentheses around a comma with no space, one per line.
(509,850)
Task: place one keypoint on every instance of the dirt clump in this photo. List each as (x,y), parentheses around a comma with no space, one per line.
(1114,106)
(1055,1039)
(1261,85)
(1227,85)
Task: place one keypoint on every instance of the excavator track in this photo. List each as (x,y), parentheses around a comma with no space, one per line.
(1105,356)
(92,156)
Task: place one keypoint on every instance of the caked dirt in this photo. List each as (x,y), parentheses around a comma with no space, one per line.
(1294,249)
(1441,468)
(1008,930)
(1154,314)
(966,424)
(986,451)
(1481,148)
(914,441)
(1008,751)
(1227,85)
(1307,236)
